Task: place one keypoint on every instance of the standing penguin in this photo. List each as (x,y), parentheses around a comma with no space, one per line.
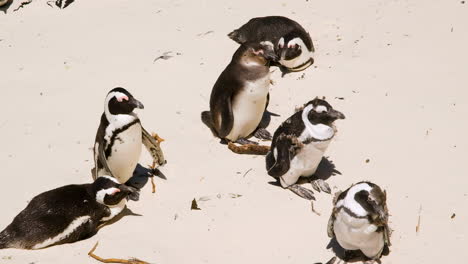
(240,95)
(66,214)
(120,136)
(298,146)
(359,220)
(290,40)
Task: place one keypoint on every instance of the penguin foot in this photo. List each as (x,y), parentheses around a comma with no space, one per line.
(113,260)
(320,185)
(302,192)
(252,149)
(244,141)
(262,133)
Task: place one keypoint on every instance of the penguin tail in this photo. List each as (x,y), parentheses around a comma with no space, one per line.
(235,35)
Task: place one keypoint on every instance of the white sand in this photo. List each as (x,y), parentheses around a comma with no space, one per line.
(401,67)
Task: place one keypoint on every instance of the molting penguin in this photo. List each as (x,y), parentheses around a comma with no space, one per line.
(240,95)
(66,214)
(290,40)
(120,136)
(298,146)
(359,220)
(5,4)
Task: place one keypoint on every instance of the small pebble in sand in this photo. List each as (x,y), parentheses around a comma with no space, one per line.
(367,160)
(453,216)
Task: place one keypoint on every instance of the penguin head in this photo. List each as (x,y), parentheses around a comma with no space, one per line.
(109,191)
(321,112)
(254,54)
(374,202)
(293,52)
(120,102)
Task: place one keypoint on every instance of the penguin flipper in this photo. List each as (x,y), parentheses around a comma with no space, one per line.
(386,233)
(227,118)
(102,159)
(153,147)
(331,221)
(284,147)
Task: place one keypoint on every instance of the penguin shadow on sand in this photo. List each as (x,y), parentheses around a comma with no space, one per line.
(264,123)
(141,176)
(351,256)
(325,170)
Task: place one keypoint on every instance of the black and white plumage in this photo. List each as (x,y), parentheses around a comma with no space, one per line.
(298,146)
(120,136)
(66,214)
(5,4)
(291,41)
(359,220)
(240,95)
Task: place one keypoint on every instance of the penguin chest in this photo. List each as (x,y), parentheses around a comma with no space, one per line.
(125,153)
(357,233)
(305,162)
(248,107)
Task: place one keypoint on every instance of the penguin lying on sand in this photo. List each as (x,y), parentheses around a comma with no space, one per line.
(298,146)
(66,214)
(359,220)
(292,43)
(120,136)
(240,95)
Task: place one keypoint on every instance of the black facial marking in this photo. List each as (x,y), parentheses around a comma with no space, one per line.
(326,117)
(123,107)
(362,198)
(291,53)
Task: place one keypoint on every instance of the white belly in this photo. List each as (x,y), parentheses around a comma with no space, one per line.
(125,153)
(357,233)
(305,162)
(248,107)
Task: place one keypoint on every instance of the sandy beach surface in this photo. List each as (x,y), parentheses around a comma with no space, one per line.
(396,69)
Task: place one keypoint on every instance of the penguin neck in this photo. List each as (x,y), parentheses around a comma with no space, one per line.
(316,131)
(350,202)
(120,120)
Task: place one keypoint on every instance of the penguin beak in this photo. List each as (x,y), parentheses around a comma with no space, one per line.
(137,104)
(336,114)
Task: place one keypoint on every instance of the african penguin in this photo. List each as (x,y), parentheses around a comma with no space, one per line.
(292,43)
(298,146)
(5,4)
(120,136)
(359,220)
(66,214)
(240,95)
